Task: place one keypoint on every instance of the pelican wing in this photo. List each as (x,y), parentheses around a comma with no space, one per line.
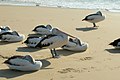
(33,42)
(40,26)
(46,41)
(17,61)
(43,31)
(9,37)
(5,33)
(95,18)
(71,44)
(13,57)
(118,43)
(92,17)
(30,39)
(115,42)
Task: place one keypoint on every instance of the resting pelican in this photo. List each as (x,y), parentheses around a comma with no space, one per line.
(75,45)
(23,63)
(57,39)
(116,43)
(4,29)
(32,41)
(94,18)
(41,29)
(11,36)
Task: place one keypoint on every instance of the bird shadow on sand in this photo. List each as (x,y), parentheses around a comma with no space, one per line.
(87,29)
(113,51)
(7,73)
(45,63)
(27,49)
(63,52)
(5,43)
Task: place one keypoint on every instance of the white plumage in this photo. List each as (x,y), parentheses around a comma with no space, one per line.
(52,41)
(11,36)
(94,18)
(23,63)
(4,29)
(75,45)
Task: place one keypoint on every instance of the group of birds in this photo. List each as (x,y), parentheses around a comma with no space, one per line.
(51,38)
(97,17)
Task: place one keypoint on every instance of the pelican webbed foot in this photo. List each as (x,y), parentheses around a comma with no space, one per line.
(54,54)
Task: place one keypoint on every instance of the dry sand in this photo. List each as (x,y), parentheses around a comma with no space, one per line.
(99,62)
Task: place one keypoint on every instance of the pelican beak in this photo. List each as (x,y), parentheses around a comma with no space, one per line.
(67,34)
(83,19)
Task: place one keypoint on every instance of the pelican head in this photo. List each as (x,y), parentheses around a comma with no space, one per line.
(78,41)
(29,58)
(55,31)
(27,40)
(49,26)
(5,27)
(99,12)
(15,33)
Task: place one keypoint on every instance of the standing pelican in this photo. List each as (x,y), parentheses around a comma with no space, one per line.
(94,18)
(52,41)
(116,43)
(41,29)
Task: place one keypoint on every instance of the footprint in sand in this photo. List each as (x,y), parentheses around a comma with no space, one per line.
(67,70)
(86,58)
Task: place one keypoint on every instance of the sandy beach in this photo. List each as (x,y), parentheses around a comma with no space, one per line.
(99,62)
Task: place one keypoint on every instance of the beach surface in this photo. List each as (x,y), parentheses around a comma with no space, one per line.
(99,62)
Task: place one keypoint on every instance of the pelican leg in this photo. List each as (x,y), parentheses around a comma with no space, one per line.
(94,25)
(52,53)
(56,55)
(55,52)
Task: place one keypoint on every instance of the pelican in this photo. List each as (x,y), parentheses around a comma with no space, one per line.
(75,45)
(41,29)
(4,29)
(116,43)
(23,63)
(94,18)
(57,39)
(11,36)
(32,41)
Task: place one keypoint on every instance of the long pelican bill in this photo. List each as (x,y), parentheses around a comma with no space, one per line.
(83,19)
(67,34)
